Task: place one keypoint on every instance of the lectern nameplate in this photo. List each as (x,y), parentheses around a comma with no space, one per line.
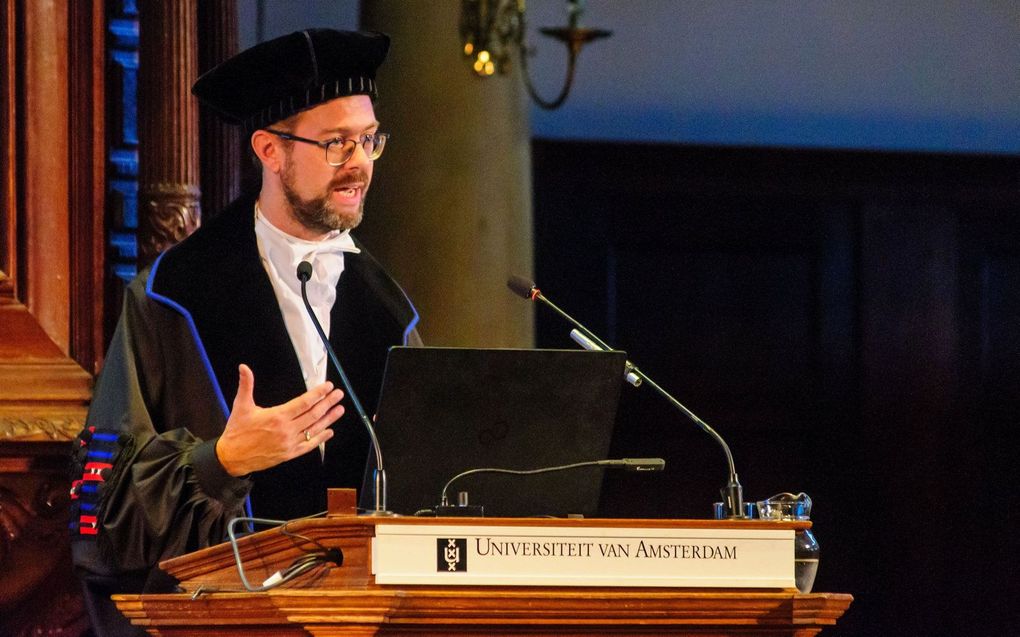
(474,555)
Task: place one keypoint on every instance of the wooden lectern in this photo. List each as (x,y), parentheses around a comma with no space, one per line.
(348,600)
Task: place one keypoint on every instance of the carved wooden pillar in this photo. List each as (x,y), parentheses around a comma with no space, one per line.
(52,197)
(169,194)
(221,147)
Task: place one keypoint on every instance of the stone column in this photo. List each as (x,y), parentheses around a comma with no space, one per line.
(169,207)
(449,211)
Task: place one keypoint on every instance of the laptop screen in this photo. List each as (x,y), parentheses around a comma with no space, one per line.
(443,411)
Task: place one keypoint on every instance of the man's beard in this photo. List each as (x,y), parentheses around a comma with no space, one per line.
(319,214)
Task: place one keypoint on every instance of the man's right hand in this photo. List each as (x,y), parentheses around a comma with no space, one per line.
(257,438)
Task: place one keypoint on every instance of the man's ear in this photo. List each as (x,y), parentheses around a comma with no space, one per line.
(268,149)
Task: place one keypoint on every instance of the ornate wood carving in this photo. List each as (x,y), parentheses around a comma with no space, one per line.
(38,593)
(6,288)
(170,212)
(168,126)
(37,424)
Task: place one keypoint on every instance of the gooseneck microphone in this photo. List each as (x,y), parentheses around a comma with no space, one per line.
(732,493)
(304,273)
(586,339)
(628,464)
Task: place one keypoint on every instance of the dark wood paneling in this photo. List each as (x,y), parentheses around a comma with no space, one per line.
(51,189)
(984,445)
(848,321)
(51,264)
(43,133)
(222,145)
(8,153)
(86,163)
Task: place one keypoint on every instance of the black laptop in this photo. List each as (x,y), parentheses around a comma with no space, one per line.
(443,411)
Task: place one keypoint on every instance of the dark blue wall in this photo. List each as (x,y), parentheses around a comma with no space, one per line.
(940,75)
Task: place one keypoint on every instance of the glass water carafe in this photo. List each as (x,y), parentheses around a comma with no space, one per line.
(787,506)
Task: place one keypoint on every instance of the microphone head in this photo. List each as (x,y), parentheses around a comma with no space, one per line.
(304,271)
(521,286)
(644,464)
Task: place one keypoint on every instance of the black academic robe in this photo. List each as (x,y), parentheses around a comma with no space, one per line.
(147,483)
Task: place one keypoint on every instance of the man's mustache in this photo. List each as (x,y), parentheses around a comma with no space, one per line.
(355,177)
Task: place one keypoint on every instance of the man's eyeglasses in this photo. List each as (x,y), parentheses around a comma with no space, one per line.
(339,150)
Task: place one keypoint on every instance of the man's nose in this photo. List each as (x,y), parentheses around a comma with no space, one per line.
(359,159)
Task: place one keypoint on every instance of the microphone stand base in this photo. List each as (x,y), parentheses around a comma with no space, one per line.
(379,514)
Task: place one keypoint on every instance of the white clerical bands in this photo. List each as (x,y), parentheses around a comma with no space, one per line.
(308,436)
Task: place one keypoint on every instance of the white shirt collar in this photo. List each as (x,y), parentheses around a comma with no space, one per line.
(281,253)
(335,241)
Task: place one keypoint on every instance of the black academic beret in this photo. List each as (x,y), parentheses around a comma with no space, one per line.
(275,79)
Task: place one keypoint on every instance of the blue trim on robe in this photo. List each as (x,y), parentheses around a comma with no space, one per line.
(194,332)
(201,351)
(414,321)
